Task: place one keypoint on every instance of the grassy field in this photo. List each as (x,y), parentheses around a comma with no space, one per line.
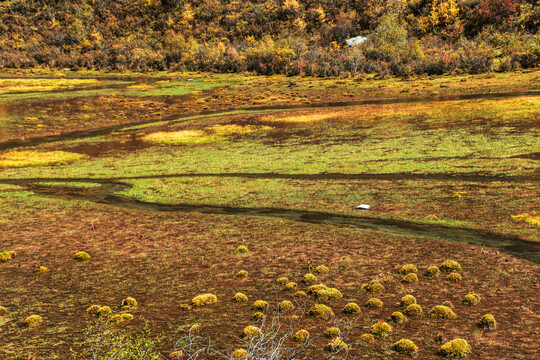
(159,179)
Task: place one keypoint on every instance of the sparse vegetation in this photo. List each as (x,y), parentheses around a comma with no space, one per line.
(242,274)
(351,308)
(442,312)
(405,346)
(321,311)
(410,278)
(260,305)
(456,348)
(432,271)
(301,335)
(81,256)
(413,310)
(373,286)
(33,320)
(204,299)
(450,265)
(454,277)
(40,269)
(471,299)
(406,301)
(240,298)
(408,269)
(380,329)
(487,322)
(251,332)
(291,286)
(336,345)
(241,250)
(309,278)
(7,255)
(374,303)
(285,306)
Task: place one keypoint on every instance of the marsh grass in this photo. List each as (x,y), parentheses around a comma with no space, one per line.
(36,158)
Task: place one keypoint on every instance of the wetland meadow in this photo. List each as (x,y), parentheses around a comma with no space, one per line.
(212,216)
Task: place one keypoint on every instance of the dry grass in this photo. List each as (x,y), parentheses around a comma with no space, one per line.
(37,158)
(28,85)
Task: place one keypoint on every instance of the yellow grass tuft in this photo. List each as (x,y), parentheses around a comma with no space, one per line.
(37,158)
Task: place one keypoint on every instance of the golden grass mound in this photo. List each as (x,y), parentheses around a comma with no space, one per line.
(183,137)
(456,348)
(301,335)
(33,320)
(405,346)
(37,158)
(204,299)
(380,329)
(81,256)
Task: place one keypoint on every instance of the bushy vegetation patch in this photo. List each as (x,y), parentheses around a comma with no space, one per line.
(323,293)
(241,250)
(456,348)
(242,274)
(471,299)
(240,298)
(432,271)
(413,310)
(374,303)
(309,278)
(204,299)
(321,311)
(442,312)
(7,255)
(251,332)
(291,286)
(260,305)
(285,306)
(405,346)
(454,277)
(33,320)
(410,278)
(282,281)
(450,265)
(408,269)
(351,308)
(3,311)
(81,256)
(487,322)
(372,286)
(301,335)
(380,329)
(406,301)
(321,269)
(336,345)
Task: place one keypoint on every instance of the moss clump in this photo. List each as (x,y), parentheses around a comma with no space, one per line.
(126,317)
(322,293)
(405,346)
(129,302)
(408,269)
(432,271)
(239,354)
(453,277)
(450,265)
(336,345)
(104,311)
(351,308)
(185,307)
(398,317)
(300,294)
(449,304)
(241,250)
(250,332)
(3,311)
(93,310)
(374,303)
(260,305)
(410,278)
(471,299)
(242,274)
(240,298)
(258,316)
(291,286)
(442,312)
(380,329)
(282,281)
(332,332)
(81,256)
(309,278)
(7,255)
(372,286)
(456,348)
(413,310)
(33,320)
(406,301)
(40,269)
(321,311)
(321,269)
(367,338)
(301,335)
(285,306)
(204,299)
(487,322)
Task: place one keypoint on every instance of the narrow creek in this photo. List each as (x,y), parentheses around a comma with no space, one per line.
(106,194)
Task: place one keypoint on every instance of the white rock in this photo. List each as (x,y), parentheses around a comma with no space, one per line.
(363,207)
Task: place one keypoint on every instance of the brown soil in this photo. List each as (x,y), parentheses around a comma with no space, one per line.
(164,259)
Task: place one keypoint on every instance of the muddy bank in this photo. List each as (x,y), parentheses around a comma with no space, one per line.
(105,194)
